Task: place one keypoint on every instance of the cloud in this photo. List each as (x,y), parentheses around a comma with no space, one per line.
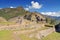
(12,7)
(27,9)
(35,5)
(51,13)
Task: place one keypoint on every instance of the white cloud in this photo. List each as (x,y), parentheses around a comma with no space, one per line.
(12,7)
(27,9)
(51,13)
(35,5)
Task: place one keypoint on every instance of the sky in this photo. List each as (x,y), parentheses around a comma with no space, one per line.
(46,7)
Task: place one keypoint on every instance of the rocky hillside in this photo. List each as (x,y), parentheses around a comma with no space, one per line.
(14,14)
(17,14)
(32,17)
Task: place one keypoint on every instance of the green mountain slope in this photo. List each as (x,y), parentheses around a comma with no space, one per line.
(8,13)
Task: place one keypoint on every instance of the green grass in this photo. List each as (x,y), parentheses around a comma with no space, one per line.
(24,37)
(5,35)
(53,36)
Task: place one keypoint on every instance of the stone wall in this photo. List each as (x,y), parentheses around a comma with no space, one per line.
(43,33)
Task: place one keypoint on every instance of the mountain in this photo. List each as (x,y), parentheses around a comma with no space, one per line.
(55,18)
(13,14)
(8,13)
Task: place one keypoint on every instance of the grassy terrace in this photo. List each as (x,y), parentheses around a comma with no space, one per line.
(24,37)
(53,36)
(5,35)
